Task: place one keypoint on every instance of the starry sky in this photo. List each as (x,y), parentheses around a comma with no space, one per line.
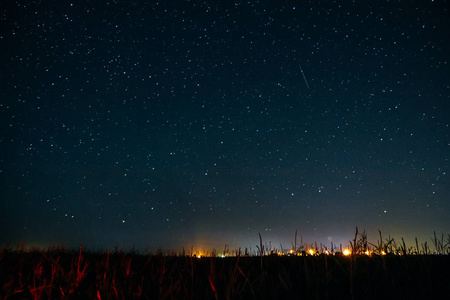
(199,124)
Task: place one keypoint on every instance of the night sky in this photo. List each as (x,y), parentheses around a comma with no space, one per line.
(188,124)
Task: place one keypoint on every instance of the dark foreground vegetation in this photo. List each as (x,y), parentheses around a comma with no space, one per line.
(386,270)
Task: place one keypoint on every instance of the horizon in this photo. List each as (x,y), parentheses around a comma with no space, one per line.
(269,245)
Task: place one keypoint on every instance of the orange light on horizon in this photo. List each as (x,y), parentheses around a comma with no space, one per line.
(347,252)
(311,252)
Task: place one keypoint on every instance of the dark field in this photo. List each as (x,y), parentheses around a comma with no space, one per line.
(62,274)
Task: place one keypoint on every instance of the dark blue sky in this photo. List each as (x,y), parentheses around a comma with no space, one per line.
(186,124)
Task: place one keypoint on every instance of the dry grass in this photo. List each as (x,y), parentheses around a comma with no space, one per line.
(385,269)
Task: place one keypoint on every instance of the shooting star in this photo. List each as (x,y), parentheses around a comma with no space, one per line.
(304,77)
